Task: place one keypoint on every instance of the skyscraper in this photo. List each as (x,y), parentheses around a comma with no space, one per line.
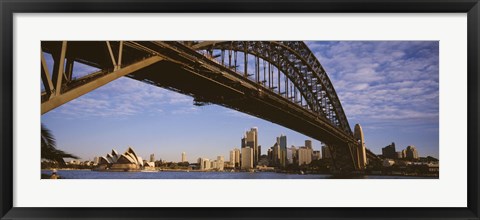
(232,158)
(290,154)
(251,140)
(247,158)
(235,157)
(411,152)
(184,157)
(389,151)
(204,163)
(220,162)
(152,157)
(282,143)
(276,154)
(304,155)
(308,144)
(361,152)
(243,142)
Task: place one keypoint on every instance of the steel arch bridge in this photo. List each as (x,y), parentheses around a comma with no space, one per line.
(280,81)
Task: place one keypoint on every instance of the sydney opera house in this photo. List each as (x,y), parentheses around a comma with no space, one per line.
(128,161)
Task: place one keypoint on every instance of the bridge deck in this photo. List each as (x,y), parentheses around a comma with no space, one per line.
(183,70)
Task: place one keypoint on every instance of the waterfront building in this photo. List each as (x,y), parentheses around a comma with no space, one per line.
(220,165)
(389,151)
(270,155)
(149,165)
(282,143)
(411,152)
(404,154)
(361,151)
(326,152)
(276,154)
(204,163)
(125,162)
(152,157)
(235,157)
(291,154)
(250,139)
(243,142)
(184,157)
(259,152)
(115,155)
(247,158)
(304,155)
(232,158)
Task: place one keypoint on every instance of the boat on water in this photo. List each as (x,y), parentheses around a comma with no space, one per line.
(149,171)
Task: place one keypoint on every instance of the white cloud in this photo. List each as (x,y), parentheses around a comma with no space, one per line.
(126,97)
(383,82)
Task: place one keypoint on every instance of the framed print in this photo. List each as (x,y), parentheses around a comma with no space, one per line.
(255,110)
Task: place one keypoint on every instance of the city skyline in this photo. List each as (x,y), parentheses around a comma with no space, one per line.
(307,144)
(390,88)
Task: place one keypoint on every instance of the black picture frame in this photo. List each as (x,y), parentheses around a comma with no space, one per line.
(9,7)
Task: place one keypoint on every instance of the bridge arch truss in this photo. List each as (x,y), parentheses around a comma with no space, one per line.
(291,59)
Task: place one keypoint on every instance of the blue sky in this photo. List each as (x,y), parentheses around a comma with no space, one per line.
(390,88)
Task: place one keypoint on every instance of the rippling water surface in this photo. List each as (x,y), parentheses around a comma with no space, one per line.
(86,174)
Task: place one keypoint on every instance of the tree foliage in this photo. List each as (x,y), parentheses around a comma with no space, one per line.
(49,150)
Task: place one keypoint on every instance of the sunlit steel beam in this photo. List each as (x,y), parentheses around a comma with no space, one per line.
(88,87)
(47,81)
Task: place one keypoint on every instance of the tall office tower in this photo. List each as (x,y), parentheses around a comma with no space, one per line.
(411,152)
(184,157)
(326,152)
(232,158)
(362,153)
(308,144)
(235,157)
(152,157)
(251,141)
(282,142)
(389,151)
(204,163)
(291,154)
(304,155)
(276,154)
(243,143)
(270,155)
(259,150)
(220,163)
(213,164)
(247,158)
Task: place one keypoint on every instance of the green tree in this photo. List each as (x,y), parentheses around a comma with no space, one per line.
(49,149)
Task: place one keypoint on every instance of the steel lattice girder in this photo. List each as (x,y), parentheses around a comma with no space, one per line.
(300,65)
